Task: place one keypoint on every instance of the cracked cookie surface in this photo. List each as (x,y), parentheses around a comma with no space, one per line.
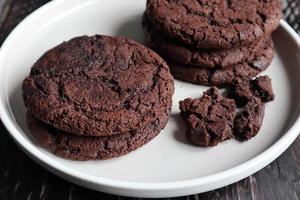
(224,77)
(215,24)
(99,86)
(76,147)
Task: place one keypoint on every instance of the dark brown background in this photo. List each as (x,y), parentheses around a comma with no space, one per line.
(21,178)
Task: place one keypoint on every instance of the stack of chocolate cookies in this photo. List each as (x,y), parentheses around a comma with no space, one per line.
(97,97)
(217,43)
(213,42)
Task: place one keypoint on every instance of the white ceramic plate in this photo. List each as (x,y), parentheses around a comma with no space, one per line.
(168,165)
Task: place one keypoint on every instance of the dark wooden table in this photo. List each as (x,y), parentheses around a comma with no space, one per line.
(21,178)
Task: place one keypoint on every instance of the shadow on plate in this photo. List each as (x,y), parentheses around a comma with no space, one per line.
(292,71)
(132,28)
(179,133)
(19,111)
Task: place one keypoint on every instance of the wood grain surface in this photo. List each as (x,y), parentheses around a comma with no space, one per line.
(22,178)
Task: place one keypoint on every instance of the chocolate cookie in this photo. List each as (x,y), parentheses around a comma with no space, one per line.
(224,77)
(75,147)
(209,119)
(210,24)
(99,86)
(242,91)
(216,58)
(249,121)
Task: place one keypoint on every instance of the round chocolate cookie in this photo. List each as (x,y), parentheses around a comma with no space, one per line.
(214,24)
(99,86)
(216,58)
(224,77)
(75,147)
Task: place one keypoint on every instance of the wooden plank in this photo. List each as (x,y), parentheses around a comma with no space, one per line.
(21,178)
(13,11)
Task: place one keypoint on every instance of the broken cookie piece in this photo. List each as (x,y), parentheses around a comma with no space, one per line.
(209,119)
(243,90)
(248,122)
(262,88)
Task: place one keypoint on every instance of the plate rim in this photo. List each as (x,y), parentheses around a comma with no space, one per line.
(167,188)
